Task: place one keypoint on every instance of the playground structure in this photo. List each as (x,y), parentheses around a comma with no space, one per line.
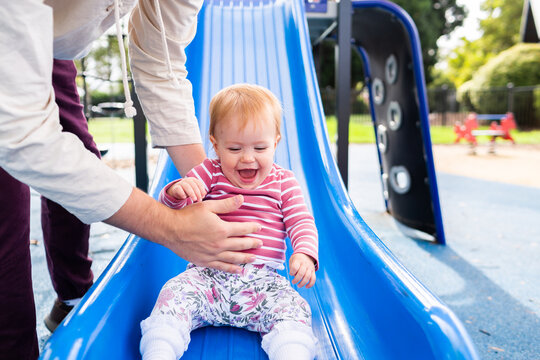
(469,130)
(364,304)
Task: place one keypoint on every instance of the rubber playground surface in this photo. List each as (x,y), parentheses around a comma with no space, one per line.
(487,273)
(512,164)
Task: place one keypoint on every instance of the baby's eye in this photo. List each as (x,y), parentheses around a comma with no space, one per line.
(234,149)
(261,148)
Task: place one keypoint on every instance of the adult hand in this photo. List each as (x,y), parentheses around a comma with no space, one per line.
(195,233)
(209,241)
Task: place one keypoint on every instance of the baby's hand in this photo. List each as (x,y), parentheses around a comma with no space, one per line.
(188,188)
(302,267)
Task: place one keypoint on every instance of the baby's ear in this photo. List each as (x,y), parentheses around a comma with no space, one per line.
(277,140)
(213,141)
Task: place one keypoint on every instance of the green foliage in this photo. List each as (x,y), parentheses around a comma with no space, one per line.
(464,96)
(465,61)
(536,96)
(433,18)
(102,67)
(327,73)
(440,78)
(97,97)
(500,31)
(501,26)
(520,66)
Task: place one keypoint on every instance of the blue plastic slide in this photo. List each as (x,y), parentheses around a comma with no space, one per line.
(365,304)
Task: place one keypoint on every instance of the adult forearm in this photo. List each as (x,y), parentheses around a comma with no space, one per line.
(194,233)
(33,148)
(165,93)
(186,157)
(143,216)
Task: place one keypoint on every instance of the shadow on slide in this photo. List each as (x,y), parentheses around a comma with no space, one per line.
(365,304)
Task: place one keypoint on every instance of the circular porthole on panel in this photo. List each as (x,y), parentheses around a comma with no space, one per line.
(394,115)
(385,185)
(391,69)
(382,138)
(377,89)
(400,179)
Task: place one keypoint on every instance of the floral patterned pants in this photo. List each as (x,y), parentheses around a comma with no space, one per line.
(255,300)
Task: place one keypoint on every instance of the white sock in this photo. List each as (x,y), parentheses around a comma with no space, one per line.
(290,340)
(292,351)
(158,350)
(162,339)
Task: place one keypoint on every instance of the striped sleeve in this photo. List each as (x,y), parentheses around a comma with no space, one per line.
(203,172)
(171,201)
(299,222)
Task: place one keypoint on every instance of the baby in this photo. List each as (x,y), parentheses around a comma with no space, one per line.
(245,122)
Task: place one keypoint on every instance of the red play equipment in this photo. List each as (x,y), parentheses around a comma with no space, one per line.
(469,133)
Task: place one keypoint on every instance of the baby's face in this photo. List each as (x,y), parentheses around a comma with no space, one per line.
(247,154)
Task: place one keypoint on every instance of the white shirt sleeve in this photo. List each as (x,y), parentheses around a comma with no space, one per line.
(169,109)
(33,149)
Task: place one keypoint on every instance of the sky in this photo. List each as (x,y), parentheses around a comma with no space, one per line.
(469,30)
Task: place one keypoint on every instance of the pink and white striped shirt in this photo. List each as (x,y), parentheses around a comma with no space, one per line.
(277,204)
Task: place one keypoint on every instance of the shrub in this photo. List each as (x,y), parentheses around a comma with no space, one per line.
(464,96)
(517,66)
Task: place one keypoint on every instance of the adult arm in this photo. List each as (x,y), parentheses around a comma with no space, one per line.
(35,151)
(195,233)
(165,93)
(186,157)
(166,97)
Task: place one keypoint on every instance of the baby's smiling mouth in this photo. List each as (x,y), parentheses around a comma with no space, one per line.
(247,174)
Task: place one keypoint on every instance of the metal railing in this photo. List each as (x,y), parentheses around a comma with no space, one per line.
(448,105)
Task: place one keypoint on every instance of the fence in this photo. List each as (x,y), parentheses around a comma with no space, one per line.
(447,105)
(359,104)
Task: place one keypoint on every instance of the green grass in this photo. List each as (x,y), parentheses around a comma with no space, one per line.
(120,130)
(111,130)
(361,131)
(446,135)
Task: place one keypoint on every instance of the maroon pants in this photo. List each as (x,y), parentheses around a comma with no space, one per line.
(65,237)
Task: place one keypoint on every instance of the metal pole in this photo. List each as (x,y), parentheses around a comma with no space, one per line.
(343,86)
(85,88)
(139,129)
(444,100)
(510,87)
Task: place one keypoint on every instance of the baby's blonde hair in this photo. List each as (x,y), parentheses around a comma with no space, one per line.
(245,101)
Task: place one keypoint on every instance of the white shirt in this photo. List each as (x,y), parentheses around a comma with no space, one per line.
(32,147)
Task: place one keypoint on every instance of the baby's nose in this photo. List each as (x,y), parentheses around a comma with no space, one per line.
(248,156)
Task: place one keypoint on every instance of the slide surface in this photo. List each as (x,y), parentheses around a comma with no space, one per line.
(364,304)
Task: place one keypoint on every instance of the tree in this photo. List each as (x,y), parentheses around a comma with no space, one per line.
(465,61)
(516,66)
(501,26)
(433,18)
(102,68)
(500,31)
